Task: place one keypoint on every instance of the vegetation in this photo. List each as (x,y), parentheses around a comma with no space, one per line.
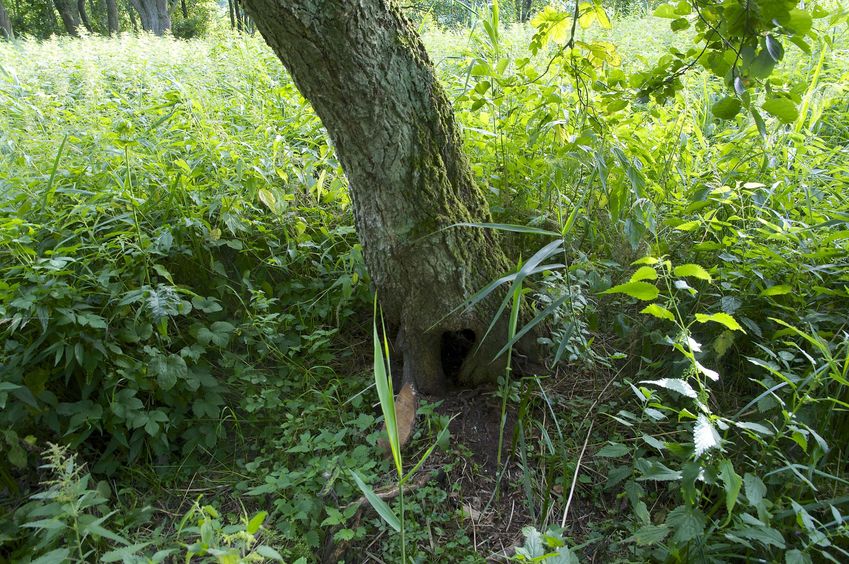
(192,367)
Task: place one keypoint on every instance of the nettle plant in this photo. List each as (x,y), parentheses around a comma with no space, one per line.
(723,486)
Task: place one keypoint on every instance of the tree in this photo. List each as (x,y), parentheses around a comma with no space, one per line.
(5,23)
(154,14)
(369,79)
(112,17)
(83,15)
(70,15)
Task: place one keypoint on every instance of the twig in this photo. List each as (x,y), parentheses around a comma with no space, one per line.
(575,477)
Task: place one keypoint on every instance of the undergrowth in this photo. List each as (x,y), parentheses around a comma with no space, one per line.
(185,308)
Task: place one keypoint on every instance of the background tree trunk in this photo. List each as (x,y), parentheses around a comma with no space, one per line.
(112,25)
(70,15)
(232,14)
(366,73)
(83,15)
(154,15)
(523,10)
(184,9)
(6,31)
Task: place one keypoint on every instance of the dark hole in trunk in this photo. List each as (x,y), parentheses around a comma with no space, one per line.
(456,345)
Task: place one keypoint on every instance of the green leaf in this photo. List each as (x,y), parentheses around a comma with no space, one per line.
(721,318)
(167,370)
(755,489)
(777,290)
(727,108)
(732,482)
(640,290)
(268,552)
(782,108)
(658,311)
(379,505)
(256,522)
(674,384)
(644,273)
(692,271)
(665,11)
(651,535)
(705,436)
(688,523)
(612,450)
(57,556)
(122,554)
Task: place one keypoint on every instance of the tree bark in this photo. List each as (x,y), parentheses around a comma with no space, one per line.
(6,31)
(83,15)
(112,17)
(369,79)
(154,15)
(184,9)
(70,15)
(238,15)
(232,15)
(523,10)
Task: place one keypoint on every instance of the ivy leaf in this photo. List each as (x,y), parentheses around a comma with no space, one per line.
(640,290)
(692,271)
(721,318)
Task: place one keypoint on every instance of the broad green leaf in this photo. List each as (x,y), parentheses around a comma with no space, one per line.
(692,271)
(644,273)
(256,522)
(612,450)
(777,290)
(645,260)
(732,482)
(712,374)
(687,522)
(721,318)
(705,436)
(651,535)
(727,108)
(754,488)
(640,290)
(674,384)
(665,11)
(782,108)
(58,556)
(267,552)
(658,311)
(379,505)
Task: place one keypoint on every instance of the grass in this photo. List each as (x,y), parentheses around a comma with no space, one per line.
(186,307)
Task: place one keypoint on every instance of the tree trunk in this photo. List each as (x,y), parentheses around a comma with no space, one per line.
(184,9)
(83,15)
(523,10)
(238,15)
(232,15)
(112,17)
(70,15)
(154,15)
(5,23)
(366,73)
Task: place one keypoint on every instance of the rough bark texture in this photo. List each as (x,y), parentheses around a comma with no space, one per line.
(5,23)
(112,17)
(154,15)
(366,73)
(83,15)
(70,15)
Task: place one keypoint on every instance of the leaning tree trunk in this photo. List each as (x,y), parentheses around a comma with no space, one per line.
(154,15)
(5,23)
(83,15)
(366,73)
(70,15)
